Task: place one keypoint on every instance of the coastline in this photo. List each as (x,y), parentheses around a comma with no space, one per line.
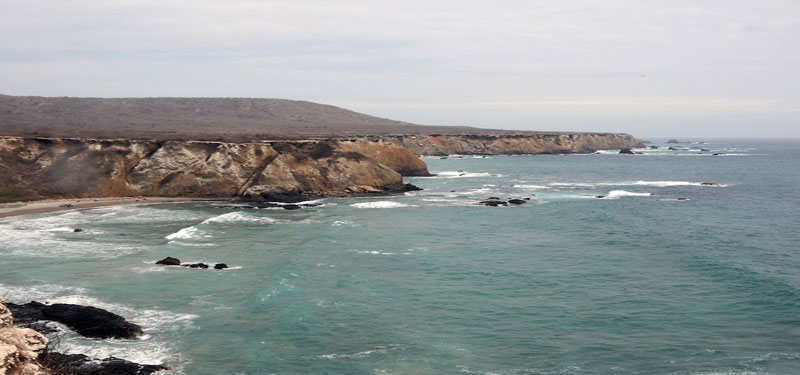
(55,205)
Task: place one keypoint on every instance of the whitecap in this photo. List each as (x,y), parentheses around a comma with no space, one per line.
(185,234)
(379,204)
(238,216)
(532,187)
(465,174)
(622,193)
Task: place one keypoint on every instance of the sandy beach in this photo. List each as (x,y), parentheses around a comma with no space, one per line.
(52,205)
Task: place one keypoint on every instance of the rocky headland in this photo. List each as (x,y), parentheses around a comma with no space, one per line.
(34,167)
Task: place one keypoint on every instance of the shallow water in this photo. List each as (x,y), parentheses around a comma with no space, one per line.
(431,283)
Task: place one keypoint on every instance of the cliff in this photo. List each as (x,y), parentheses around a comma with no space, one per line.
(19,347)
(268,170)
(54,167)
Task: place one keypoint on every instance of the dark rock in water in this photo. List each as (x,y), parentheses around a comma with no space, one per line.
(87,321)
(81,364)
(672,148)
(709,184)
(517,201)
(411,187)
(493,203)
(291,207)
(600,196)
(683,199)
(170,261)
(626,151)
(493,198)
(673,141)
(717,154)
(704,149)
(78,230)
(220,266)
(196,265)
(527,199)
(443,157)
(653,147)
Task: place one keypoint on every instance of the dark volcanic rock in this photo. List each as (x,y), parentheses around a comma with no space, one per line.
(78,230)
(81,364)
(196,265)
(493,203)
(170,261)
(626,151)
(516,201)
(709,184)
(92,322)
(411,187)
(86,320)
(220,266)
(291,207)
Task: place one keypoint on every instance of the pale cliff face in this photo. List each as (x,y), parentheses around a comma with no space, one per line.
(284,170)
(94,168)
(19,347)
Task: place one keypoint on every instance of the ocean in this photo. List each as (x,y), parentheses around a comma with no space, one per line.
(661,275)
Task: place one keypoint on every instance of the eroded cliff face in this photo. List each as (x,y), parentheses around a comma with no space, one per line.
(427,145)
(19,347)
(269,170)
(38,167)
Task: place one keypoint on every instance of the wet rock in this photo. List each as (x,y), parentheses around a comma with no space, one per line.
(78,230)
(683,199)
(601,196)
(196,265)
(673,141)
(84,365)
(717,154)
(493,198)
(87,321)
(517,201)
(291,207)
(220,266)
(626,151)
(493,203)
(709,184)
(169,261)
(411,187)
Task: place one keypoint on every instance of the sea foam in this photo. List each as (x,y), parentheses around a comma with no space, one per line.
(379,204)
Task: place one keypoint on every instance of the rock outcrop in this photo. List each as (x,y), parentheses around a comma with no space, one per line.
(288,171)
(19,347)
(87,321)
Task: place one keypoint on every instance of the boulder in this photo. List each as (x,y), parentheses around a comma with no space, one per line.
(78,230)
(709,184)
(170,261)
(91,321)
(673,141)
(411,187)
(196,265)
(626,151)
(493,203)
(87,321)
(516,201)
(291,207)
(220,266)
(81,364)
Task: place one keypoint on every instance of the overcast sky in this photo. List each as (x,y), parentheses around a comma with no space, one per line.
(651,68)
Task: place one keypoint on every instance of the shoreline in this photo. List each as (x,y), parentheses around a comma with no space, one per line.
(55,205)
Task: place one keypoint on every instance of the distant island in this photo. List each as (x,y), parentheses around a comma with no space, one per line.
(254,149)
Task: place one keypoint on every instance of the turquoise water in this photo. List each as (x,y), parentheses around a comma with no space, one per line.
(431,283)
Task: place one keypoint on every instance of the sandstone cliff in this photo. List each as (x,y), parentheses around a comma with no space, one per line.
(510,144)
(40,167)
(19,347)
(267,170)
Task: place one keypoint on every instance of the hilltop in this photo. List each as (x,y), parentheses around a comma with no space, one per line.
(222,119)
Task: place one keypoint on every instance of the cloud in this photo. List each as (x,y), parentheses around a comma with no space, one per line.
(554,60)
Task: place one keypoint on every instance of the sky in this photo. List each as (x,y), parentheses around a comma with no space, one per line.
(668,68)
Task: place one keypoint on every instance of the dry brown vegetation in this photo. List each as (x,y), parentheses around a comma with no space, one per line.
(223,119)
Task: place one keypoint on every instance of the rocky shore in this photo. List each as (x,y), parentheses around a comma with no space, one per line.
(286,171)
(25,351)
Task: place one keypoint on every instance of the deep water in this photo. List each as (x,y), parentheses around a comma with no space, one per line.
(432,283)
